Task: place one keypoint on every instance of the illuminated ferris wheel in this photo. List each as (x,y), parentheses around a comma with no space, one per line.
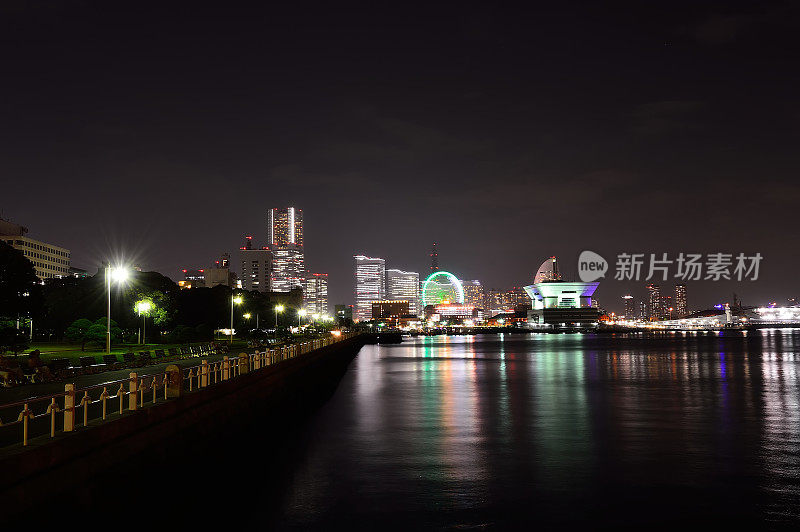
(442,287)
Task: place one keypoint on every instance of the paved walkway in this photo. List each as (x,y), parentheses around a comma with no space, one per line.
(17,393)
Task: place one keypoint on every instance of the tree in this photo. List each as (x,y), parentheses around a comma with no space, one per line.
(84,331)
(79,331)
(12,340)
(97,332)
(161,306)
(20,291)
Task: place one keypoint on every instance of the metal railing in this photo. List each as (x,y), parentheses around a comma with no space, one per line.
(97,404)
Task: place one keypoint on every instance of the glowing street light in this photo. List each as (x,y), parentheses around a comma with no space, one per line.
(119,275)
(300,313)
(238,301)
(143,309)
(278,308)
(246,316)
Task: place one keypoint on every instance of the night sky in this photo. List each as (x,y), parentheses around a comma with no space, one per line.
(507,135)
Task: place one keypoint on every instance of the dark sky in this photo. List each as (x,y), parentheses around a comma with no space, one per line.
(165,132)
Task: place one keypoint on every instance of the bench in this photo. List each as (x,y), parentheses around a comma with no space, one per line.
(58,364)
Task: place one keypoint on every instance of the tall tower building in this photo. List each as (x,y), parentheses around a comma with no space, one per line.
(370,285)
(286,243)
(667,308)
(256,265)
(473,293)
(654,302)
(316,293)
(403,286)
(434,258)
(285,226)
(680,301)
(630,306)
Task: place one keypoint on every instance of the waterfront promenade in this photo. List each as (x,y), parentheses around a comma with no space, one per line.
(67,437)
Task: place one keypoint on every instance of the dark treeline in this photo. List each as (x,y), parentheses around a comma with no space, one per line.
(68,299)
(186,315)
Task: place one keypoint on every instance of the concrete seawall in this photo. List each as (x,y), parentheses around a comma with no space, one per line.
(169,447)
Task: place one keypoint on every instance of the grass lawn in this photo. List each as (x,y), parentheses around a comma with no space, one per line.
(73,351)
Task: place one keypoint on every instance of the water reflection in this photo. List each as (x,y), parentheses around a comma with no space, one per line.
(489,430)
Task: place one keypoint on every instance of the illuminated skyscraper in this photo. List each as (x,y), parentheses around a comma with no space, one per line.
(473,293)
(548,271)
(680,301)
(287,267)
(370,285)
(315,296)
(255,267)
(630,306)
(286,244)
(667,308)
(654,302)
(285,226)
(403,286)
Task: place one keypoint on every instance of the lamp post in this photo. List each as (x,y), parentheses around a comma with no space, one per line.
(278,308)
(300,313)
(119,275)
(237,300)
(143,309)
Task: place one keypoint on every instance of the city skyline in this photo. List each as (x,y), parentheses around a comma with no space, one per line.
(468,118)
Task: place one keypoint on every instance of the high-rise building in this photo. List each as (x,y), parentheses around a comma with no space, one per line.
(667,309)
(389,309)
(370,275)
(48,261)
(344,313)
(403,286)
(315,297)
(654,302)
(473,293)
(195,278)
(285,226)
(680,301)
(630,306)
(287,268)
(434,258)
(255,266)
(220,273)
(286,245)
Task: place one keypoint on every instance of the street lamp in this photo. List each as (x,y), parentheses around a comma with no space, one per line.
(301,313)
(119,275)
(143,309)
(237,300)
(278,308)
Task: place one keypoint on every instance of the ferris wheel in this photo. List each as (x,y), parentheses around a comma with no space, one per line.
(442,287)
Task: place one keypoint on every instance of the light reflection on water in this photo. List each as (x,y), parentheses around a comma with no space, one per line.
(494,430)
